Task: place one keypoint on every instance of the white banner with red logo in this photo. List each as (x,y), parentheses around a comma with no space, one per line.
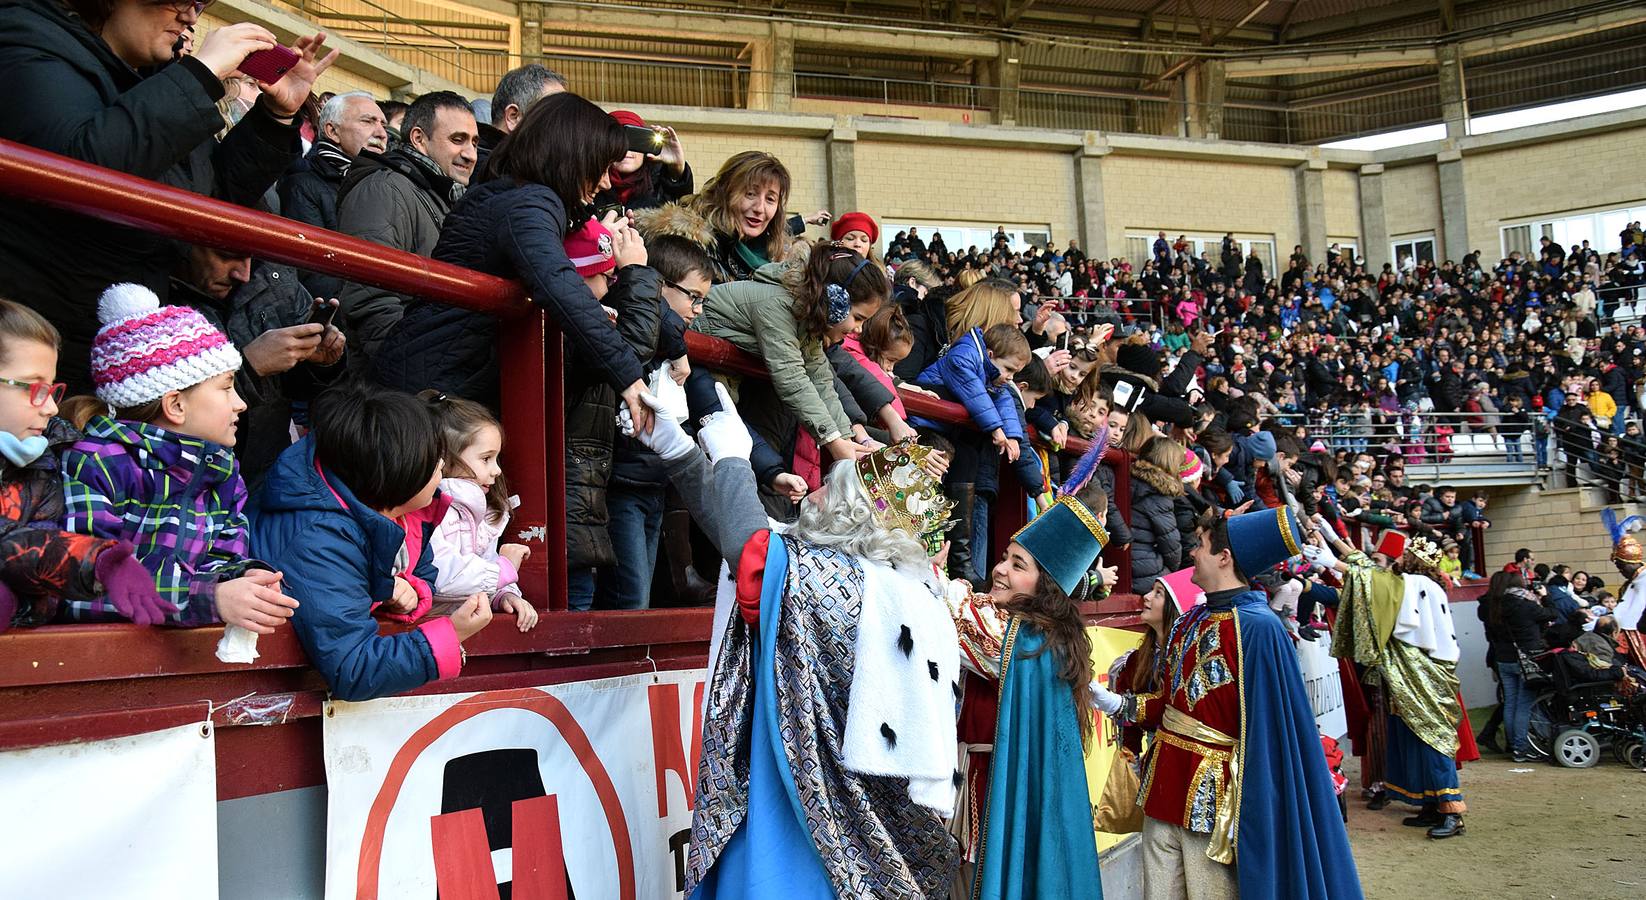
(130,817)
(581,789)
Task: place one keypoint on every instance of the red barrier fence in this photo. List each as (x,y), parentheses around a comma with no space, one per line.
(82,682)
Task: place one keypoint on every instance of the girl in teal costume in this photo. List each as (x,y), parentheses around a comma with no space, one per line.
(1036,838)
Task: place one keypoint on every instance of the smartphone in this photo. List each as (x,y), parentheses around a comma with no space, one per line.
(322,312)
(642,139)
(269,65)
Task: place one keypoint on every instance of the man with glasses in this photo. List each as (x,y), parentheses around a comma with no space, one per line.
(99,81)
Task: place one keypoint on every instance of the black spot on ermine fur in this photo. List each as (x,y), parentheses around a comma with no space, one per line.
(890,735)
(905,641)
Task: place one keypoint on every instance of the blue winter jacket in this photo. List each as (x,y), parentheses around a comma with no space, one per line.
(965,373)
(339,558)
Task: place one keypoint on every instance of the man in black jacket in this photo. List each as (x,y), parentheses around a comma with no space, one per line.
(400,199)
(138,112)
(264,310)
(347,124)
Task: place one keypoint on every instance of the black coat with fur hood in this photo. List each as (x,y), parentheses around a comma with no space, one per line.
(1157,545)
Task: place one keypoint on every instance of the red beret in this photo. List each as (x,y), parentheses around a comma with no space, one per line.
(855,221)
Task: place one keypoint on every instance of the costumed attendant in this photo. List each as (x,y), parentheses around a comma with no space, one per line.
(1631,564)
(1032,837)
(1236,795)
(828,757)
(1397,625)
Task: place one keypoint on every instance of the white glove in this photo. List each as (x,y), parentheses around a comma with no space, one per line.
(1320,555)
(1104,700)
(666,438)
(723,434)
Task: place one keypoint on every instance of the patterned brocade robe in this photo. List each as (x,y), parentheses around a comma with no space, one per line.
(1197,721)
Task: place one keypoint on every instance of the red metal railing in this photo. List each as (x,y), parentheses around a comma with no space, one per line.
(89,681)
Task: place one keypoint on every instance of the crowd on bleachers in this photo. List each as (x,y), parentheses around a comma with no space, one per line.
(251,444)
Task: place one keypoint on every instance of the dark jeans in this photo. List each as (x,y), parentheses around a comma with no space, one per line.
(579,589)
(636,522)
(1517,705)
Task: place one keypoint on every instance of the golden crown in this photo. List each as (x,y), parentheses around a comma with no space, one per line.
(1627,549)
(904,495)
(1425,550)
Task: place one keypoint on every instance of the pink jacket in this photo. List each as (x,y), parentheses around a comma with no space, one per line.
(855,348)
(465,547)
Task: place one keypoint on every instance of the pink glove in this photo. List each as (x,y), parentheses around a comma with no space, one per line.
(130,586)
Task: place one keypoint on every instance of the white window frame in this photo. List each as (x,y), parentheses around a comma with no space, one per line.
(1555,226)
(968,232)
(1411,241)
(1210,243)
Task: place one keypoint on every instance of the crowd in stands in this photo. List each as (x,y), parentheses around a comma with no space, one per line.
(270,445)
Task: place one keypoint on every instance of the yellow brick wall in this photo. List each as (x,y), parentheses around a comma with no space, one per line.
(1342,190)
(836,107)
(1411,200)
(1146,193)
(1558,176)
(804,157)
(986,185)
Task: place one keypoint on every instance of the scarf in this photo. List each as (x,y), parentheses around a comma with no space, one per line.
(438,176)
(333,155)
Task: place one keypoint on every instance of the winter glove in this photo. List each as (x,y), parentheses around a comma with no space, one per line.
(1104,700)
(1320,555)
(723,434)
(130,587)
(666,438)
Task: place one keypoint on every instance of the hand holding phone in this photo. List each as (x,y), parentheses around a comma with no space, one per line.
(269,66)
(322,312)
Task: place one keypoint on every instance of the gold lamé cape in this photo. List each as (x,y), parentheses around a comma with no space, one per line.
(1420,689)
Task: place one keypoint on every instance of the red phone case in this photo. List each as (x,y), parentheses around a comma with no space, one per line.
(269,65)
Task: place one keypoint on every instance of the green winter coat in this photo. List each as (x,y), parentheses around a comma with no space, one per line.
(757,316)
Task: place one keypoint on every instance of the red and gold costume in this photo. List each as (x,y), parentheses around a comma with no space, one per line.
(1196,719)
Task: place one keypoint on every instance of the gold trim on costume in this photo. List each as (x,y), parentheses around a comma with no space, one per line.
(1192,728)
(1225,829)
(1286,531)
(1086,518)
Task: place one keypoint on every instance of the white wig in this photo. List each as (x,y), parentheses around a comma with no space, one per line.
(844,520)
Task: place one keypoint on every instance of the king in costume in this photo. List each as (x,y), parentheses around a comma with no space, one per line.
(1397,626)
(1631,564)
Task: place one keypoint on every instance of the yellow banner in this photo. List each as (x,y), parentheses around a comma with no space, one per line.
(1107,646)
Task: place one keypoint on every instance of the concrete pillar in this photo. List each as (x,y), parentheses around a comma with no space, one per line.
(1454,92)
(1205,88)
(1454,206)
(1311,208)
(771,70)
(842,166)
(1088,193)
(1005,75)
(1374,222)
(531,33)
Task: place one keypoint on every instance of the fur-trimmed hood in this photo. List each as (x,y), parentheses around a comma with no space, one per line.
(1169,484)
(675,219)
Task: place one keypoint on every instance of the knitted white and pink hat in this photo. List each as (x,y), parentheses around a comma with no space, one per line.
(145,350)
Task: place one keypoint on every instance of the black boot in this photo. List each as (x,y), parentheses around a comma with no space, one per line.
(1450,825)
(1430,816)
(1379,800)
(960,530)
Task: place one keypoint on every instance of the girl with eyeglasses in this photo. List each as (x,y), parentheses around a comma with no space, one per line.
(100,81)
(40,563)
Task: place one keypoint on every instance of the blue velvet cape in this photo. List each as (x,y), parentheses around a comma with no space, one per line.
(1038,839)
(1292,843)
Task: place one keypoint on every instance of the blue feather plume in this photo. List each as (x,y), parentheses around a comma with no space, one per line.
(1087,464)
(1618,529)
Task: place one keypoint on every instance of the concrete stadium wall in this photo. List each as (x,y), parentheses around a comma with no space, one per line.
(1560,526)
(1153,193)
(1411,200)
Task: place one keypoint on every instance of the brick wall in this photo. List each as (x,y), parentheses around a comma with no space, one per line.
(1148,193)
(1560,526)
(1411,200)
(1342,190)
(1576,173)
(986,185)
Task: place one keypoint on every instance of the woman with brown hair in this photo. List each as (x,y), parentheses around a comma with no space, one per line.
(745,205)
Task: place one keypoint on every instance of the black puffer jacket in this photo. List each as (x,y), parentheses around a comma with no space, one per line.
(1157,546)
(929,324)
(68,93)
(400,200)
(513,231)
(308,193)
(591,418)
(1518,623)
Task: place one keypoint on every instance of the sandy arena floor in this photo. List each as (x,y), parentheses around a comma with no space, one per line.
(1570,834)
